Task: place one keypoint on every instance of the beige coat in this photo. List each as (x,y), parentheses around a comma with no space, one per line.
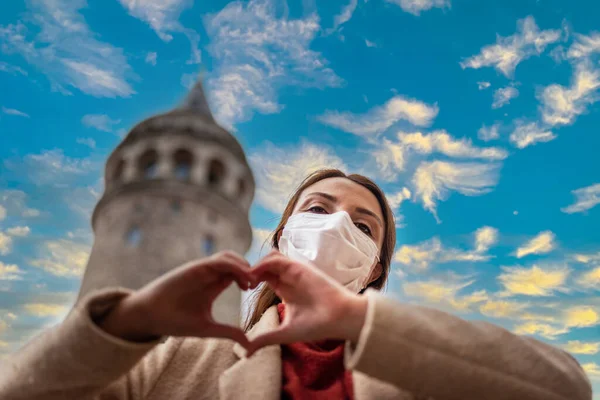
(404,352)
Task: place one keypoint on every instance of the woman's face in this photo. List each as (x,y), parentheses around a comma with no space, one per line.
(340,194)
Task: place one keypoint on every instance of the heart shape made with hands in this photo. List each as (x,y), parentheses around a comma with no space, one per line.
(179,303)
(317,307)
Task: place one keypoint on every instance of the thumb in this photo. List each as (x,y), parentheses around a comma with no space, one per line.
(278,336)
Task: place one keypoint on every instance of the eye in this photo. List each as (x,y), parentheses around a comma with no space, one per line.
(364,228)
(317,210)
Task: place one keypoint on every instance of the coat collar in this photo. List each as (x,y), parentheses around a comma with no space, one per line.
(259,377)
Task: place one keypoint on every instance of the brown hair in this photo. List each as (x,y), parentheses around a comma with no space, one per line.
(266,297)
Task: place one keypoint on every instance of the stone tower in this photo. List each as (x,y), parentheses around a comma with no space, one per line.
(178,187)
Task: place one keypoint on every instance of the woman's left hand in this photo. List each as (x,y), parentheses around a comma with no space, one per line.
(316,306)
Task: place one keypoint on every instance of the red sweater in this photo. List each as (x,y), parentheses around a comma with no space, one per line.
(314,371)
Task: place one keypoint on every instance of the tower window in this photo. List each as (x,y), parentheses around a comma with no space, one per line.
(134,236)
(183,164)
(148,164)
(208,245)
(216,172)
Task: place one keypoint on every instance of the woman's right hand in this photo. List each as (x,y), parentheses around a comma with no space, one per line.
(179,303)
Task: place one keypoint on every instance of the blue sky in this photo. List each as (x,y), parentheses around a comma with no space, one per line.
(479,119)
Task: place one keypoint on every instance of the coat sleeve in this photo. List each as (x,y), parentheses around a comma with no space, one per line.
(77,360)
(434,354)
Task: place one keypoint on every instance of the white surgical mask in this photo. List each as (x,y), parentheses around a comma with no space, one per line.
(333,244)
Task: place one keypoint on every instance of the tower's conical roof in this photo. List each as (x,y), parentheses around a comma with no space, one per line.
(194,108)
(195,102)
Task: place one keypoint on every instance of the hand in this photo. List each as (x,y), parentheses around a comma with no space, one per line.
(316,306)
(179,303)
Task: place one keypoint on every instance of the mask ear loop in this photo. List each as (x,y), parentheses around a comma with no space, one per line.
(370,272)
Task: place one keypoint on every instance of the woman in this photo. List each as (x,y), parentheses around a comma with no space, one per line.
(318,329)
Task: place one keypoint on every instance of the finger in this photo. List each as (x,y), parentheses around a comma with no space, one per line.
(241,273)
(278,336)
(287,271)
(271,264)
(228,332)
(234,256)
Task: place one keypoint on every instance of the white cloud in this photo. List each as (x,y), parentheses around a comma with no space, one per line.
(12,111)
(483,85)
(163,18)
(278,171)
(509,51)
(585,199)
(590,279)
(12,69)
(239,92)
(101,122)
(591,369)
(435,180)
(396,199)
(256,51)
(94,80)
(380,118)
(67,51)
(584,46)
(13,202)
(19,231)
(63,257)
(51,167)
(422,255)
(561,105)
(587,258)
(440,141)
(542,243)
(419,256)
(9,272)
(581,317)
(368,43)
(5,244)
(578,347)
(485,237)
(45,310)
(534,281)
(390,159)
(527,134)
(415,7)
(502,308)
(503,96)
(393,157)
(89,142)
(545,330)
(151,58)
(161,15)
(487,133)
(344,15)
(2,212)
(188,80)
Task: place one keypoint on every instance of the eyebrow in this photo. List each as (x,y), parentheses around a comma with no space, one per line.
(359,210)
